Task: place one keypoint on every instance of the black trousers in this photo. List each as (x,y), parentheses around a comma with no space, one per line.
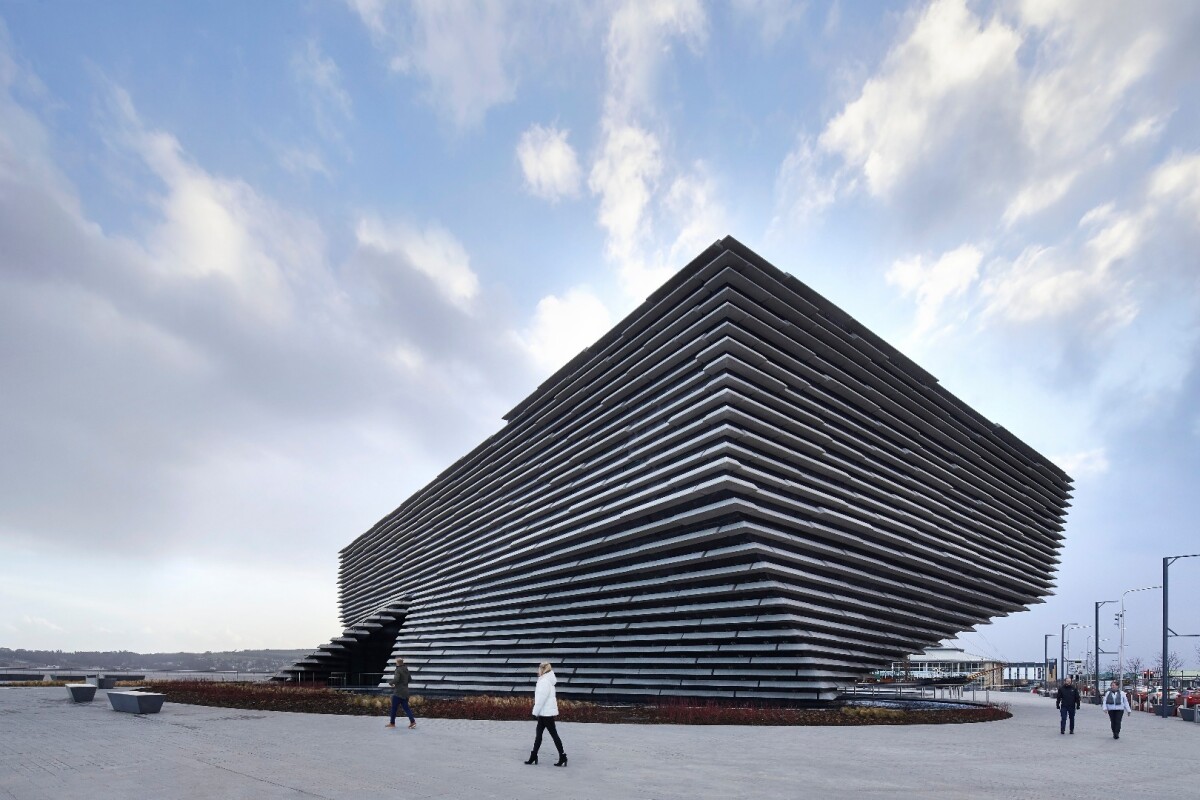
(546,724)
(1114,719)
(1064,713)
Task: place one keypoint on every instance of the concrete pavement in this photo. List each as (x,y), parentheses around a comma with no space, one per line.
(50,748)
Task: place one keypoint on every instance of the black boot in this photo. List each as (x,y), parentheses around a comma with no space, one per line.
(532,758)
(562,760)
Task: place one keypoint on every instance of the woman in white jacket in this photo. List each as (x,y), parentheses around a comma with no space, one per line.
(545,709)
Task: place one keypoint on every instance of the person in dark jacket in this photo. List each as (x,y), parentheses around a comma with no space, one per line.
(400,680)
(1067,703)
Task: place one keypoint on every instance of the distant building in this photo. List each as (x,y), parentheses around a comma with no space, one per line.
(1019,672)
(949,663)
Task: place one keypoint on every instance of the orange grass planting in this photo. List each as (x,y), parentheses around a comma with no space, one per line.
(319,700)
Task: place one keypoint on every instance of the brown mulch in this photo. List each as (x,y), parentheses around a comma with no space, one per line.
(309,700)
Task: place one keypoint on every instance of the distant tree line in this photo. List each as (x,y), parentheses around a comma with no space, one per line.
(242,660)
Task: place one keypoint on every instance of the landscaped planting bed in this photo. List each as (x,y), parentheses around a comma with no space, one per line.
(309,700)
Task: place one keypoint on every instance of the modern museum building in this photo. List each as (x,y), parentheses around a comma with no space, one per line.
(739,491)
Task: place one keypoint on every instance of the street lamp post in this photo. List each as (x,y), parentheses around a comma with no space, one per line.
(1063,631)
(1087,667)
(1121,645)
(1165,693)
(1096,631)
(1046,661)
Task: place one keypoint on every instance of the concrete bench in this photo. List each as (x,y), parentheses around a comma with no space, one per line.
(137,702)
(102,683)
(81,692)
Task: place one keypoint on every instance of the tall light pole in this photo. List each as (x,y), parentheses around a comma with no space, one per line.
(1062,647)
(1096,631)
(1165,694)
(1046,661)
(1121,645)
(1087,662)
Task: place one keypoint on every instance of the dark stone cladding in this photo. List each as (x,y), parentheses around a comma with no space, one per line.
(739,491)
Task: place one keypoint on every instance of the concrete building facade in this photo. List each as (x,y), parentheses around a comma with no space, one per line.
(739,491)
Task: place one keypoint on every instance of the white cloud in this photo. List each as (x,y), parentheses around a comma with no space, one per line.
(648,229)
(805,186)
(972,115)
(303,161)
(775,18)
(1146,129)
(949,277)
(696,214)
(1175,185)
(1084,464)
(1054,283)
(949,65)
(209,375)
(549,163)
(564,326)
(639,37)
(321,78)
(215,229)
(1095,282)
(432,251)
(625,176)
(1038,195)
(463,49)
(1091,55)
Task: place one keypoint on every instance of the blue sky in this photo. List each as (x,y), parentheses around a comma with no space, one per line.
(266,269)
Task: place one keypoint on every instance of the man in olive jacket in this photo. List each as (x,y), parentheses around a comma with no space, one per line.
(1067,703)
(400,680)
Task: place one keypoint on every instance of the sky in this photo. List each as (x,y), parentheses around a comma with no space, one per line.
(268,268)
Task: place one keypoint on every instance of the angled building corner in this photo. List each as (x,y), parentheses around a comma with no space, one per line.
(739,491)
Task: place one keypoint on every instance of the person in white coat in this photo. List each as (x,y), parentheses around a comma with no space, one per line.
(1116,704)
(545,709)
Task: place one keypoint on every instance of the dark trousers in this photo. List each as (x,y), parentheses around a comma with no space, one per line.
(397,702)
(1063,713)
(1114,719)
(546,724)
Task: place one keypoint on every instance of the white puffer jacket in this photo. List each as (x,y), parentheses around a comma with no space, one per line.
(544,704)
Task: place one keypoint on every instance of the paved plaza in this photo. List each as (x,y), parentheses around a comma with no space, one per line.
(50,748)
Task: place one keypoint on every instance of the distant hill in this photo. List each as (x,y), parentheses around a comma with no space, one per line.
(243,660)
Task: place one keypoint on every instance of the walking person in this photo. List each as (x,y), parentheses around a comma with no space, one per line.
(1117,705)
(545,709)
(1068,703)
(400,681)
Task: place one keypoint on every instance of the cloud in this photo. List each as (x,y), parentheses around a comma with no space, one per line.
(321,80)
(1146,129)
(1175,186)
(548,163)
(971,115)
(625,176)
(463,50)
(950,276)
(564,326)
(805,186)
(937,80)
(639,36)
(1083,464)
(303,161)
(431,251)
(652,211)
(775,18)
(213,375)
